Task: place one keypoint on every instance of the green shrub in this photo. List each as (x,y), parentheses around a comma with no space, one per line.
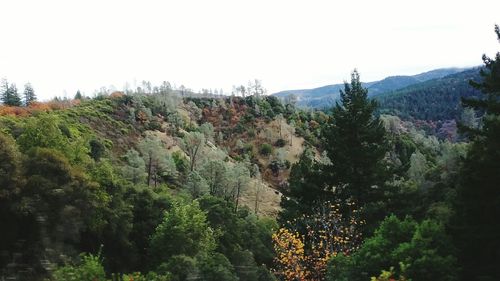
(280,142)
(90,268)
(266,149)
(425,249)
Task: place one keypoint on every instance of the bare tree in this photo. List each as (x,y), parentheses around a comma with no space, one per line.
(258,186)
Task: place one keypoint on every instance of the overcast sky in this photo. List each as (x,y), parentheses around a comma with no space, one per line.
(62,46)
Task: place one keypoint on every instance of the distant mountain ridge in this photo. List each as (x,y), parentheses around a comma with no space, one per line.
(325,96)
(435,99)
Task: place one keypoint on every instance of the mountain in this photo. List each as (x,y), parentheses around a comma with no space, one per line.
(324,96)
(436,99)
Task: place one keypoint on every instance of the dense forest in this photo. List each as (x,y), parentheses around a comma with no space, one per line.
(437,99)
(160,183)
(324,97)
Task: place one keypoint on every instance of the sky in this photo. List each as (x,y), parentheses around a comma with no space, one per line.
(63,46)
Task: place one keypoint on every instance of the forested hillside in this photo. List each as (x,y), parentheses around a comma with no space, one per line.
(160,183)
(123,175)
(438,99)
(325,97)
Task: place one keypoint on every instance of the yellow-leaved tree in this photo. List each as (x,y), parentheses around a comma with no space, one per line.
(305,245)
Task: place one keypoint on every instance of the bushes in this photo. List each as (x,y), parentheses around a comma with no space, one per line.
(97,149)
(424,248)
(184,231)
(266,149)
(280,142)
(90,268)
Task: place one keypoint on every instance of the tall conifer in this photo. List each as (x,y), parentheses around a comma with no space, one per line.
(29,94)
(356,145)
(477,222)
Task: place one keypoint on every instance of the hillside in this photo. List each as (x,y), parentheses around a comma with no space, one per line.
(433,100)
(325,96)
(156,186)
(140,154)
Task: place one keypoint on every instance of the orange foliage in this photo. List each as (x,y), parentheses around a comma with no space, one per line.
(141,117)
(327,233)
(64,104)
(116,94)
(290,258)
(37,107)
(13,110)
(313,124)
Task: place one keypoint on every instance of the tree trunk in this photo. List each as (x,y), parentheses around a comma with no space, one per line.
(237,197)
(257,195)
(150,166)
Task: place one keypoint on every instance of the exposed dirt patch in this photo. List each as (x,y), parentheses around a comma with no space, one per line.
(268,198)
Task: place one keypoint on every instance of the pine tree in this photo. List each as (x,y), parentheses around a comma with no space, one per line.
(4,90)
(305,190)
(356,145)
(78,95)
(29,94)
(477,222)
(10,96)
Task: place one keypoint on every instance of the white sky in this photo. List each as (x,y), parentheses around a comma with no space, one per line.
(67,45)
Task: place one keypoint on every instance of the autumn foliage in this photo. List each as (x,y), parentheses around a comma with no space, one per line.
(35,107)
(327,232)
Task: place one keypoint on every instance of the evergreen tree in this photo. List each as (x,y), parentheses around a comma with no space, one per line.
(4,90)
(356,144)
(306,188)
(477,223)
(10,96)
(78,95)
(29,94)
(14,98)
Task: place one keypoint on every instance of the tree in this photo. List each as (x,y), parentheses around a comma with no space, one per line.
(217,268)
(10,186)
(476,224)
(239,176)
(9,94)
(258,186)
(10,166)
(148,208)
(356,145)
(194,112)
(280,119)
(291,261)
(304,247)
(240,91)
(90,268)
(135,168)
(214,172)
(255,88)
(207,129)
(424,248)
(78,95)
(4,90)
(158,162)
(97,149)
(418,168)
(196,184)
(29,94)
(306,188)
(291,129)
(44,131)
(62,199)
(192,143)
(183,231)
